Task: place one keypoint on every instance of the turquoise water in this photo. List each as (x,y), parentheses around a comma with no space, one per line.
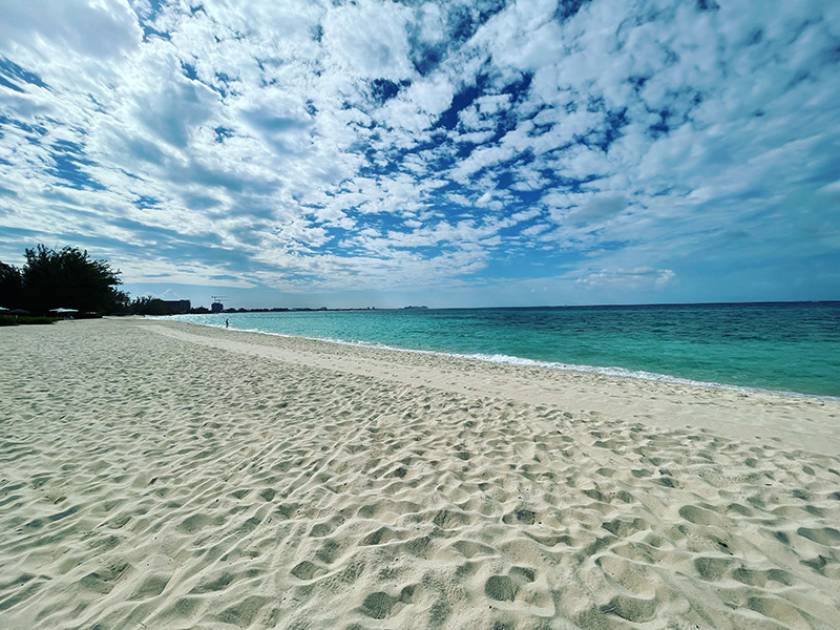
(788,346)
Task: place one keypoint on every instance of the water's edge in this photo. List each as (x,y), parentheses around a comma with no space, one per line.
(503,359)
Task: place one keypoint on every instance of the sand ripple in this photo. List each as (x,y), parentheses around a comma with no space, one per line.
(150,482)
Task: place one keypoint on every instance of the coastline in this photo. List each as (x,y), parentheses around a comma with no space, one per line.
(679,402)
(607,371)
(162,474)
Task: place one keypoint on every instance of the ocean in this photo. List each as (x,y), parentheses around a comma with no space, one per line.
(793,347)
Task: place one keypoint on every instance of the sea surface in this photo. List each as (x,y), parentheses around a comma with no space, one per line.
(793,347)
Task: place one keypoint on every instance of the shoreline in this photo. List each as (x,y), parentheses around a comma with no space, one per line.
(678,404)
(504,359)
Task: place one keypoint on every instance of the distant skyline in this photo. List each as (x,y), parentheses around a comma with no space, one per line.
(451,153)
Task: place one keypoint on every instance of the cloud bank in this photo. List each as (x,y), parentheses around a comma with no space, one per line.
(475,152)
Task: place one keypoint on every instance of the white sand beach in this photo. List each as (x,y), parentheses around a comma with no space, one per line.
(161,475)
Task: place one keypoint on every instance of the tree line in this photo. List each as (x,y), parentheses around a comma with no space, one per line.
(68,278)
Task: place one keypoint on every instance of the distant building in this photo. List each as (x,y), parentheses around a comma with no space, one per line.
(217,307)
(176,307)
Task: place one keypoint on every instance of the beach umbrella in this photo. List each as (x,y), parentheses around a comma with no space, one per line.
(63,310)
(3,309)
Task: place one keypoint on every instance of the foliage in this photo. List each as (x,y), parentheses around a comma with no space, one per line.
(147,306)
(69,278)
(66,278)
(16,320)
(11,286)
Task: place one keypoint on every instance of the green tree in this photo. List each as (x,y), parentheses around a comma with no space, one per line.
(11,286)
(70,278)
(147,306)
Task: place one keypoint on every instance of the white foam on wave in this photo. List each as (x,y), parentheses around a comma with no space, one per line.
(505,359)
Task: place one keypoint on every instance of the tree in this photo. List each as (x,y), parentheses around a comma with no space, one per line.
(70,278)
(11,286)
(147,306)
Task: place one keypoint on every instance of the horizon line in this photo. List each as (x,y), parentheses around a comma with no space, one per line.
(539,306)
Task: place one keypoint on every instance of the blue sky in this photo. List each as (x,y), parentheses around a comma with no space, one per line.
(445,153)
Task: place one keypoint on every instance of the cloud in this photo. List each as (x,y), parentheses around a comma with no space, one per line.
(93,29)
(582,209)
(333,146)
(369,40)
(626,279)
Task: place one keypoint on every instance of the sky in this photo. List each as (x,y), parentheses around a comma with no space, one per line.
(452,153)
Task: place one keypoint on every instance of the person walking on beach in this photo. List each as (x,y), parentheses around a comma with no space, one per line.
(227,322)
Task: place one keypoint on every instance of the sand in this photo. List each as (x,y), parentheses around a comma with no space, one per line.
(161,475)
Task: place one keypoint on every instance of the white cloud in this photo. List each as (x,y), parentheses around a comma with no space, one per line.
(270,135)
(369,40)
(626,279)
(30,30)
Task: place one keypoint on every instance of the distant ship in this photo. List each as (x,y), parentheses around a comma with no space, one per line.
(406,308)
